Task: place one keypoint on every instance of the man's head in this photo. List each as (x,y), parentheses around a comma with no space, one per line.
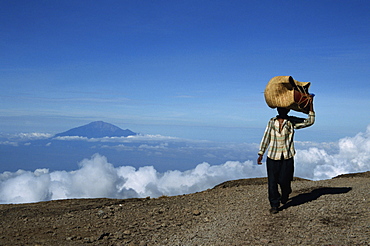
(283,112)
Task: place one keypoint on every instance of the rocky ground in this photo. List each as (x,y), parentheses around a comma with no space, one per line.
(327,212)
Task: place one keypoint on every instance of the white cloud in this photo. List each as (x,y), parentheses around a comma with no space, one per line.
(25,186)
(120,147)
(35,135)
(353,156)
(151,137)
(98,178)
(128,139)
(72,138)
(160,146)
(11,143)
(26,136)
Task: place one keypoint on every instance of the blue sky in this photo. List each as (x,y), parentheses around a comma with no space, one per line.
(190,69)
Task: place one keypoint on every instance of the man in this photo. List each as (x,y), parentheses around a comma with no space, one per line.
(278,137)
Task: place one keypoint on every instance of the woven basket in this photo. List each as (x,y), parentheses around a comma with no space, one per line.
(286,92)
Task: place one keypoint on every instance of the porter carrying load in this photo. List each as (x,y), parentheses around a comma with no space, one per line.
(286,92)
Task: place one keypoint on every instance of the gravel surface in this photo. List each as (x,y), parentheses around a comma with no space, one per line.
(327,212)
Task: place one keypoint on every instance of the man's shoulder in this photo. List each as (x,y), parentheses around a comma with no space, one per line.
(272,120)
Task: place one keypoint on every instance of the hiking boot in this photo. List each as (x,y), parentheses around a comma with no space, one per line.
(284,199)
(274,210)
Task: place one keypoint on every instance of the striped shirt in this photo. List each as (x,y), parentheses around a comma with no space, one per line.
(281,143)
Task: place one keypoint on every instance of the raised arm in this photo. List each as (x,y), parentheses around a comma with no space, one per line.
(302,123)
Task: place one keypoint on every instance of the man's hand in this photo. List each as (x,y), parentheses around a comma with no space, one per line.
(259,160)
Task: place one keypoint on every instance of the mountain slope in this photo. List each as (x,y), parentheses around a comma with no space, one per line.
(97,129)
(325,212)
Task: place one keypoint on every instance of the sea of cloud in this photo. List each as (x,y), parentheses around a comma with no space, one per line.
(96,177)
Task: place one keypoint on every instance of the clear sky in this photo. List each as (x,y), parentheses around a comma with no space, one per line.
(190,69)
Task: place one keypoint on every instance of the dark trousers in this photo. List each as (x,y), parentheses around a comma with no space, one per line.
(279,172)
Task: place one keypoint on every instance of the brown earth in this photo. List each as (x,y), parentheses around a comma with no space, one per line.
(327,212)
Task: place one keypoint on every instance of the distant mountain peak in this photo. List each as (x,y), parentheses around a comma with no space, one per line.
(97,129)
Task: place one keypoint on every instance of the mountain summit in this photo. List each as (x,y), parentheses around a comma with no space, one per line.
(97,129)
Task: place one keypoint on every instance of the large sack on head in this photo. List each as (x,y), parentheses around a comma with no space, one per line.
(286,92)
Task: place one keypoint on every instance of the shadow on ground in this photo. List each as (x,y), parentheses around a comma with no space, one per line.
(313,195)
